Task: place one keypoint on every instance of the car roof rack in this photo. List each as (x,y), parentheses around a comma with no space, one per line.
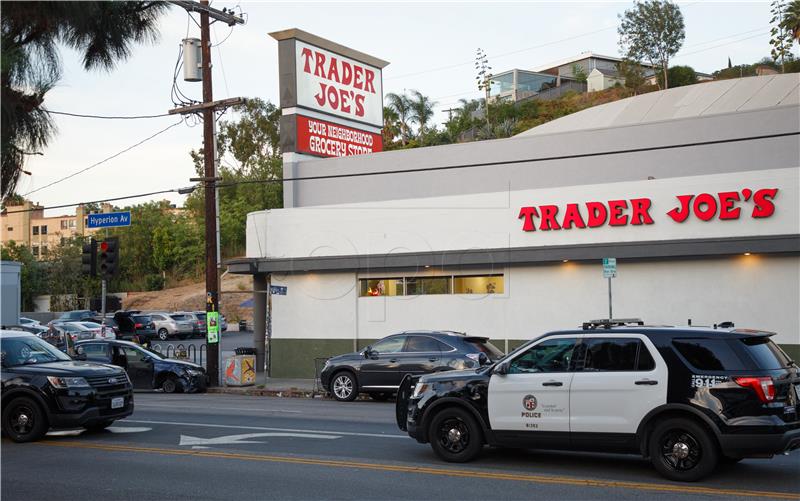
(607,323)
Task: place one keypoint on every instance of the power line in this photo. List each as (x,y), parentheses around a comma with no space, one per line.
(434,169)
(126,197)
(129,148)
(106,117)
(513,162)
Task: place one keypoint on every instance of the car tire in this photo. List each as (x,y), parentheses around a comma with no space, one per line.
(170,384)
(455,435)
(344,386)
(24,420)
(683,450)
(102,425)
(380,396)
(163,334)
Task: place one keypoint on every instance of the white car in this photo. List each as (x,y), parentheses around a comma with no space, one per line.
(99,331)
(29,322)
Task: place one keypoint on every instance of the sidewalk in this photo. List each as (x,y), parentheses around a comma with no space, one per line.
(275,387)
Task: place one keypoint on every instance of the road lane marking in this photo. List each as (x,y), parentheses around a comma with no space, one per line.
(262,428)
(112,429)
(207,408)
(480,474)
(244,438)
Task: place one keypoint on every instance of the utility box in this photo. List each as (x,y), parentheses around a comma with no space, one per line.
(11,292)
(240,369)
(192,60)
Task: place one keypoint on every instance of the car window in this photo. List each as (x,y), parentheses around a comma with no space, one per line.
(483,345)
(765,354)
(551,355)
(96,351)
(709,354)
(608,354)
(424,344)
(392,344)
(28,350)
(180,317)
(142,319)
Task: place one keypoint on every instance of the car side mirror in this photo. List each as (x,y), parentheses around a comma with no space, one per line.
(145,358)
(501,369)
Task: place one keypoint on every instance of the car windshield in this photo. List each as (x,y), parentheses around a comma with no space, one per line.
(26,350)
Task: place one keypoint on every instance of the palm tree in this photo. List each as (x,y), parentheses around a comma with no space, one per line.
(402,107)
(422,111)
(791,19)
(391,128)
(104,32)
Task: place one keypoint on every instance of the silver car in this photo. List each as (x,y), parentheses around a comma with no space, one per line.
(172,325)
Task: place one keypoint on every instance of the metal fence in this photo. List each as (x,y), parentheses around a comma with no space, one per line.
(192,353)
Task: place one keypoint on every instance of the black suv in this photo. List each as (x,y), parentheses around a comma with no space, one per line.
(43,388)
(685,398)
(379,368)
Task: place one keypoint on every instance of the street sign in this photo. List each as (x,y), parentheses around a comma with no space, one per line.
(609,267)
(212,327)
(109,219)
(280,290)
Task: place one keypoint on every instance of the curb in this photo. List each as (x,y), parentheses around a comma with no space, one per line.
(282,393)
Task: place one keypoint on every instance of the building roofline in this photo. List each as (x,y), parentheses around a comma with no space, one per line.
(576,58)
(326,44)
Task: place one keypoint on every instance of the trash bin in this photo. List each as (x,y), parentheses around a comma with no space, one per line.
(240,369)
(242,325)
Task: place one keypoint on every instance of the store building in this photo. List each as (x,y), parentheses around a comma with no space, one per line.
(695,190)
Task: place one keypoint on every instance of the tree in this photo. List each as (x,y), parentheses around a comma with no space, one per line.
(484,79)
(390,126)
(579,73)
(678,76)
(633,73)
(791,19)
(103,32)
(782,36)
(652,30)
(421,111)
(400,104)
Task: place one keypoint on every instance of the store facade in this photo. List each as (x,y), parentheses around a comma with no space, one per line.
(695,191)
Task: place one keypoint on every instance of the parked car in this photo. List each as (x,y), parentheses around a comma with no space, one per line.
(108,321)
(223,322)
(378,369)
(126,324)
(144,327)
(38,331)
(76,330)
(147,369)
(43,388)
(99,331)
(684,398)
(29,321)
(172,325)
(75,315)
(199,321)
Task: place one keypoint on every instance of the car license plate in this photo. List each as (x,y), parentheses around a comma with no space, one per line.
(118,402)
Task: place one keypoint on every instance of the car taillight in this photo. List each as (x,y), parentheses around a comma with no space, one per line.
(137,326)
(763,386)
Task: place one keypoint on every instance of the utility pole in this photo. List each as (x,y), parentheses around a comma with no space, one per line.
(208,108)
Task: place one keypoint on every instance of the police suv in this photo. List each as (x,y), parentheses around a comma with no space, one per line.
(686,398)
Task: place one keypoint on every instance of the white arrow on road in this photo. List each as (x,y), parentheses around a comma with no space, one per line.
(244,438)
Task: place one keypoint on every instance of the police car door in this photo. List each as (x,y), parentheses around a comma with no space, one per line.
(619,378)
(533,395)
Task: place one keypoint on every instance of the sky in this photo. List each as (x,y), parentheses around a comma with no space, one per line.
(430,46)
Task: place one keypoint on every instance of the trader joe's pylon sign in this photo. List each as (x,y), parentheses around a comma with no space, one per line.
(331,97)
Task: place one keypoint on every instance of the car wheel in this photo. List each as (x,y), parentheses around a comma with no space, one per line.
(163,334)
(170,384)
(682,450)
(380,397)
(344,386)
(24,421)
(102,425)
(455,435)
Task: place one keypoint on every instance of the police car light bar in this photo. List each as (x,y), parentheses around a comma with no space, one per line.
(612,322)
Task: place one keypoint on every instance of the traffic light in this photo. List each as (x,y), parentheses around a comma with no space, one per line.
(89,258)
(108,257)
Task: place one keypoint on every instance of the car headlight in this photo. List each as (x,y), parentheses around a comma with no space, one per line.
(419,389)
(193,372)
(68,382)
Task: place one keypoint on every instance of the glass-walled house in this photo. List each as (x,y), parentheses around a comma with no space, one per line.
(518,85)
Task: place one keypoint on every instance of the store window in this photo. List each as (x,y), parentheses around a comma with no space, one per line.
(428,285)
(382,287)
(478,284)
(35,230)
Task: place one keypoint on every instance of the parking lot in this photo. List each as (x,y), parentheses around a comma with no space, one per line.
(210,446)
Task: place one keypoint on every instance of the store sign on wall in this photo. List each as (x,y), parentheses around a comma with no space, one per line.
(338,85)
(725,205)
(326,139)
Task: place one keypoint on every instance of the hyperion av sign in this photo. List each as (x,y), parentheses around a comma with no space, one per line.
(331,97)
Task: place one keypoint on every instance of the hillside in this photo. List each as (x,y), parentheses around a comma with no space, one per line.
(235,290)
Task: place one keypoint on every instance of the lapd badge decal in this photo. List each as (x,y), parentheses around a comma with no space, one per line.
(529,403)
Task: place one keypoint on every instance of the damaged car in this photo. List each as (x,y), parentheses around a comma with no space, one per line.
(146,369)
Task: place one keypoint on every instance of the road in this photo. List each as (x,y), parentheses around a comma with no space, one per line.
(239,447)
